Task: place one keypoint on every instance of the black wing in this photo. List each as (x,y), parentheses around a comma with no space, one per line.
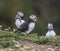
(24,27)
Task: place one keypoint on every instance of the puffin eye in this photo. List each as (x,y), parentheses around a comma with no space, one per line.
(32,16)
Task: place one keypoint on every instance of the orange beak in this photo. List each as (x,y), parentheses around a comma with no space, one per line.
(35,18)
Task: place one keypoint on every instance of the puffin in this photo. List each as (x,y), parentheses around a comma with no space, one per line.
(29,25)
(19,19)
(51,32)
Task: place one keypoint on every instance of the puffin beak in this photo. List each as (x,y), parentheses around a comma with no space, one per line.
(35,18)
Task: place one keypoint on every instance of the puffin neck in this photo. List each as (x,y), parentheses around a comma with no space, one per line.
(50,29)
(20,16)
(30,20)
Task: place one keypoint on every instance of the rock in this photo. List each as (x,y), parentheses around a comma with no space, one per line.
(56,47)
(50,49)
(27,47)
(2,50)
(42,46)
(33,50)
(22,49)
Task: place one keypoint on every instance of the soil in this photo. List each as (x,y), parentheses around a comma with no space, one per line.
(31,46)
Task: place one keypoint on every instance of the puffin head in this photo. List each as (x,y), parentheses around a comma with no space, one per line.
(50,26)
(21,14)
(33,18)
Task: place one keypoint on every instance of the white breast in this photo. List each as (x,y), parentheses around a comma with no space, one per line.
(31,27)
(18,23)
(51,33)
(22,21)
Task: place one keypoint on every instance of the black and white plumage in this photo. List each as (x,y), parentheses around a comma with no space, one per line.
(51,32)
(19,20)
(28,26)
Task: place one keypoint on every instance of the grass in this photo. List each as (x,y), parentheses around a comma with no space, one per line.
(7,39)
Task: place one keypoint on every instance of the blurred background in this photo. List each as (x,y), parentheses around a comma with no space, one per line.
(46,11)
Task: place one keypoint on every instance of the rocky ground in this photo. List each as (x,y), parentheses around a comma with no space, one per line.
(15,42)
(30,46)
(36,47)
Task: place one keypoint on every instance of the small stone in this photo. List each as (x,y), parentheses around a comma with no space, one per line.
(50,49)
(32,50)
(42,46)
(56,47)
(26,47)
(16,42)
(21,49)
(2,50)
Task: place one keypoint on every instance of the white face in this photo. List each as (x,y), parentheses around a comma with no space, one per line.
(21,14)
(33,17)
(50,26)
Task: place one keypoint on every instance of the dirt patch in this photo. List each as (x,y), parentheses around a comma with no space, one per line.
(31,46)
(37,47)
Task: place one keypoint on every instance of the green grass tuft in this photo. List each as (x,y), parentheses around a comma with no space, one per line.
(6,39)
